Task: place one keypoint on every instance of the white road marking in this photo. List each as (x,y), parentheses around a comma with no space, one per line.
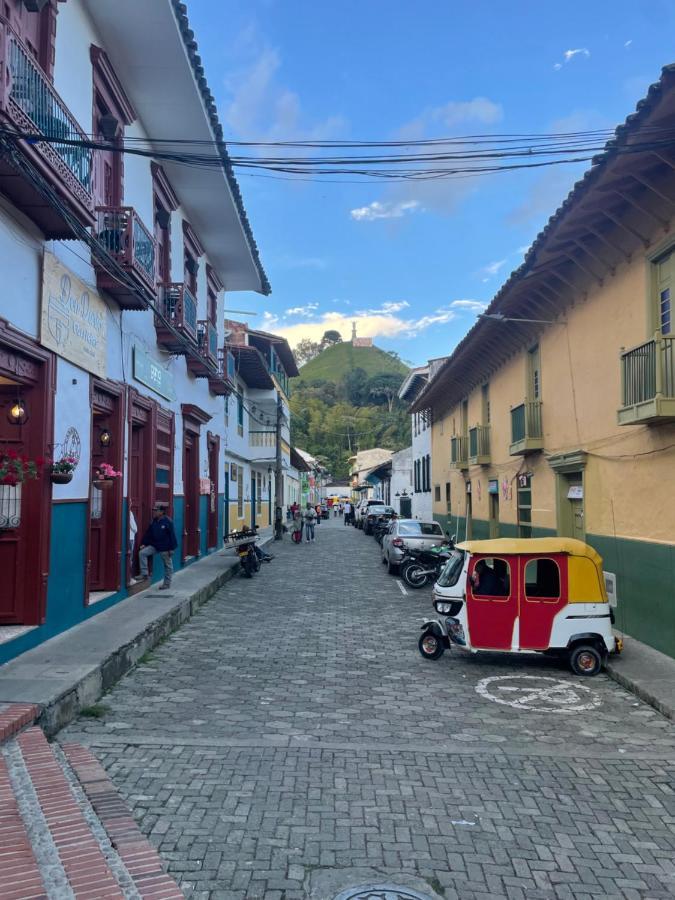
(401,587)
(538,693)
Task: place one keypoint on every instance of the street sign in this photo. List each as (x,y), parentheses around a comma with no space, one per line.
(150,373)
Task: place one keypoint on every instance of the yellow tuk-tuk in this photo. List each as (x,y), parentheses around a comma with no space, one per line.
(535,595)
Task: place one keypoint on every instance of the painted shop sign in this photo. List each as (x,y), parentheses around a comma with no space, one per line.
(73,320)
(150,373)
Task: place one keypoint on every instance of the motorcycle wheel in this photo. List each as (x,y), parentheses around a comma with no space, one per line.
(430,646)
(414,576)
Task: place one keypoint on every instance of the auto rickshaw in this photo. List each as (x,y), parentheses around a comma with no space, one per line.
(535,595)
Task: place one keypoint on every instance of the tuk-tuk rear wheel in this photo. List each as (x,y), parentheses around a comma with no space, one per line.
(586,660)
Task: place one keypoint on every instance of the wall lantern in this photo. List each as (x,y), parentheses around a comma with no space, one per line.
(35,5)
(162,217)
(105,438)
(18,414)
(108,125)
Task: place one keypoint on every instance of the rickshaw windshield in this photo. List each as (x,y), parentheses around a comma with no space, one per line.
(452,570)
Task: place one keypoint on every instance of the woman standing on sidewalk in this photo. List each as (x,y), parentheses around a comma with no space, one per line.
(310,522)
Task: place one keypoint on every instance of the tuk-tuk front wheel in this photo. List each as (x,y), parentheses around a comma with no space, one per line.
(430,645)
(586,660)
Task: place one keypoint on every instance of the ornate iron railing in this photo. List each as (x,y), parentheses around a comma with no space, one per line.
(122,233)
(180,307)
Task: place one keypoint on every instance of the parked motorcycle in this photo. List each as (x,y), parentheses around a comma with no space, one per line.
(421,567)
(244,544)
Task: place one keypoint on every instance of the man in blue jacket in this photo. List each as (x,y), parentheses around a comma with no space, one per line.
(160,537)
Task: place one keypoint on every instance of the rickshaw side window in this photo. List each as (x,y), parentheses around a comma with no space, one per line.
(491,577)
(542,579)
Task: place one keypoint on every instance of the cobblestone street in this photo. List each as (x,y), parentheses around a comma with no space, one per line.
(289,742)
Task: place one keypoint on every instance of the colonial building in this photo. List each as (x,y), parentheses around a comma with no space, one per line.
(556,413)
(113,361)
(255,413)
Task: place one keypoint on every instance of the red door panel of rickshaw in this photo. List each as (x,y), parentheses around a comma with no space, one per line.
(491,616)
(543,593)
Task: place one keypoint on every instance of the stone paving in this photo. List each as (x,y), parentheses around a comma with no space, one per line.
(289,742)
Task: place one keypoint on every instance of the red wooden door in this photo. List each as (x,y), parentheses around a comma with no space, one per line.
(543,595)
(492,616)
(214,452)
(140,485)
(14,535)
(99,512)
(191,494)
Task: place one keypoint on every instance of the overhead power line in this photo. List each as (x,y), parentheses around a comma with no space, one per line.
(421,160)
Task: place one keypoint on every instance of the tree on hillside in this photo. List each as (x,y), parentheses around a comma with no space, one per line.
(305,350)
(356,386)
(330,337)
(385,385)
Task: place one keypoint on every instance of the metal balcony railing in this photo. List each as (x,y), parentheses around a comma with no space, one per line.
(648,381)
(207,340)
(124,236)
(178,305)
(526,429)
(479,445)
(459,451)
(32,105)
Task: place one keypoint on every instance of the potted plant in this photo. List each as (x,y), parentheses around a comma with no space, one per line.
(61,470)
(104,476)
(16,468)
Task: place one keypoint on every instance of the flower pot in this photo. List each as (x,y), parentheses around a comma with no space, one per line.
(60,477)
(102,484)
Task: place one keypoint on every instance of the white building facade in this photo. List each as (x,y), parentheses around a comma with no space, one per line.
(111,317)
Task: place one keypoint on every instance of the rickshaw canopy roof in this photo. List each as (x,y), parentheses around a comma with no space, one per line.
(532,546)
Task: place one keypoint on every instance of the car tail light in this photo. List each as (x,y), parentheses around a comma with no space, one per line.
(397,542)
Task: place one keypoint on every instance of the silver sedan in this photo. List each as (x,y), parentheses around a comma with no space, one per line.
(408,534)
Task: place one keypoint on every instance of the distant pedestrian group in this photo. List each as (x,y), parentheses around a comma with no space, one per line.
(304,522)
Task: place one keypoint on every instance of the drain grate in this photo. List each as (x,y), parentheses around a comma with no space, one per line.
(381,892)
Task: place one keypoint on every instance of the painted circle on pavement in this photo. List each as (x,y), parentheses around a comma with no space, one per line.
(538,693)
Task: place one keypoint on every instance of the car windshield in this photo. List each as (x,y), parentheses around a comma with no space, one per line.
(419,528)
(452,570)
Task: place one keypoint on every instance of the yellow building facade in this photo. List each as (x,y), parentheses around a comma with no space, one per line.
(556,413)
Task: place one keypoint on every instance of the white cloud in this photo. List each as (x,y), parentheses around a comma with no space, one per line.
(377,210)
(395,306)
(628,43)
(492,269)
(457,112)
(261,108)
(469,305)
(306,310)
(569,55)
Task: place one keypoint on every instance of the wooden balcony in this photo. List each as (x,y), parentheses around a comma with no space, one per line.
(479,445)
(459,452)
(179,308)
(222,382)
(123,235)
(29,103)
(526,431)
(648,382)
(204,363)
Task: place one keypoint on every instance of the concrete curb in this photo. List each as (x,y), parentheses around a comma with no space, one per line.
(80,686)
(640,690)
(647,673)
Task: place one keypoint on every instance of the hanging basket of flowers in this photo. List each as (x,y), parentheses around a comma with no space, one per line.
(61,470)
(16,468)
(105,476)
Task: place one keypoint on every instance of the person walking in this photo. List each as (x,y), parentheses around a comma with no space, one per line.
(348,513)
(160,537)
(310,521)
(297,524)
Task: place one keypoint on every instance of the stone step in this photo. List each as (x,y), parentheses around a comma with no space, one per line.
(14,717)
(66,833)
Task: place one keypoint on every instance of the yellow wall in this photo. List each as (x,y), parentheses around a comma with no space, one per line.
(580,392)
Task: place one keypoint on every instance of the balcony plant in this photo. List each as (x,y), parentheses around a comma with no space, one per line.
(105,476)
(16,468)
(61,470)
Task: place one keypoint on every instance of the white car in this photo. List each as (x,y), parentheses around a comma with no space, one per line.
(361,508)
(408,534)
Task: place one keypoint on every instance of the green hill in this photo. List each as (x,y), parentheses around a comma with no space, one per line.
(346,400)
(338,359)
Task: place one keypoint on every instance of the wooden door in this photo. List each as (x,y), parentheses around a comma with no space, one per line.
(14,535)
(99,514)
(214,453)
(191,494)
(140,486)
(107,165)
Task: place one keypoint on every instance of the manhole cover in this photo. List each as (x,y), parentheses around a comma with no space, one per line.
(381,892)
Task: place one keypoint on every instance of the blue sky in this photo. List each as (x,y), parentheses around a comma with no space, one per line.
(411,262)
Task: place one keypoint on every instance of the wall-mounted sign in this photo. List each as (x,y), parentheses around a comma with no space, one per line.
(468,487)
(493,486)
(610,587)
(150,373)
(576,492)
(73,320)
